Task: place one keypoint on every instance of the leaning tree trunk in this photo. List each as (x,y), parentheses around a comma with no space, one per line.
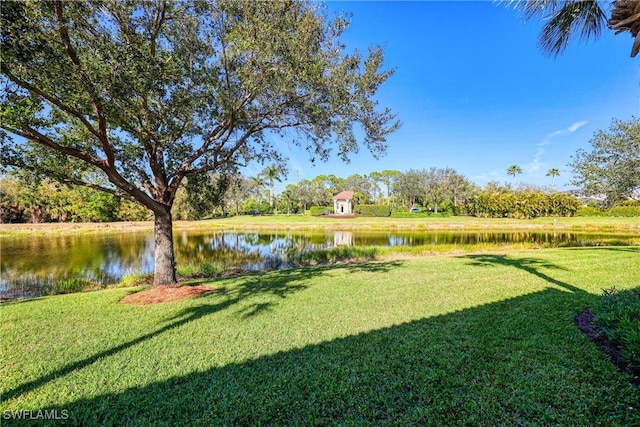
(165,264)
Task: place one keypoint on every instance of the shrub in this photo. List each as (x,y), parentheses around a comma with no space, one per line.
(373,210)
(618,316)
(622,210)
(589,211)
(319,210)
(527,204)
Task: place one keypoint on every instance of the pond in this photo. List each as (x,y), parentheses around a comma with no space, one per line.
(30,264)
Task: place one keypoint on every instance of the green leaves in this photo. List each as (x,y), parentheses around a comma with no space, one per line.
(528,204)
(151,93)
(612,167)
(618,316)
(564,20)
(168,90)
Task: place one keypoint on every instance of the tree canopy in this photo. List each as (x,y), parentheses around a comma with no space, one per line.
(612,168)
(148,93)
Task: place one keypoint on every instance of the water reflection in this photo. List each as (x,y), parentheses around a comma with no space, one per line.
(105,258)
(343,238)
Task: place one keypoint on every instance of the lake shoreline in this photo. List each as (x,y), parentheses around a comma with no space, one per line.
(298,222)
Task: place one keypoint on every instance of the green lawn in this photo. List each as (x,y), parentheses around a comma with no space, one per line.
(627,225)
(618,224)
(470,339)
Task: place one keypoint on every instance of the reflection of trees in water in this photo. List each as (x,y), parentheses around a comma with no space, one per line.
(107,257)
(473,238)
(242,250)
(103,258)
(33,264)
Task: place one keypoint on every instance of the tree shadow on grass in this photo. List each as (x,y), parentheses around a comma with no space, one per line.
(280,284)
(530,265)
(514,362)
(633,249)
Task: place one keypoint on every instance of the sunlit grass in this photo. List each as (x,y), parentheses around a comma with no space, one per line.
(308,223)
(457,223)
(483,338)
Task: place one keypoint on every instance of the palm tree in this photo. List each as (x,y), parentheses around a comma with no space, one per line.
(272,173)
(514,170)
(625,16)
(565,19)
(553,172)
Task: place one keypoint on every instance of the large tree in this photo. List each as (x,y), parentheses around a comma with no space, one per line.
(565,19)
(387,177)
(149,93)
(409,186)
(458,187)
(612,167)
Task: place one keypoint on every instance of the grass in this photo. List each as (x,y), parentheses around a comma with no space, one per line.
(301,222)
(458,223)
(470,339)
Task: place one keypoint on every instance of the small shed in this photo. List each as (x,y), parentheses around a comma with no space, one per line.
(343,203)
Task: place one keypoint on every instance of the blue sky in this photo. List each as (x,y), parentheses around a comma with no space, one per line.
(475,93)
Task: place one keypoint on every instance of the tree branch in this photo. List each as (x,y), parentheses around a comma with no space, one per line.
(35,136)
(103,134)
(28,86)
(158,21)
(144,178)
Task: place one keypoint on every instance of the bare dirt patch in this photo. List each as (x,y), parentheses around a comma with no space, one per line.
(162,294)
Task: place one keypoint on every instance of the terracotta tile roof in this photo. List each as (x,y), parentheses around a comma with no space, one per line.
(345,195)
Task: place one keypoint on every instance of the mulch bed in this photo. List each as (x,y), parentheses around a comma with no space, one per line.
(584,321)
(161,294)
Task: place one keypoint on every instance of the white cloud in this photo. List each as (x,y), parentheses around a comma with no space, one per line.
(577,125)
(571,129)
(556,133)
(543,143)
(537,165)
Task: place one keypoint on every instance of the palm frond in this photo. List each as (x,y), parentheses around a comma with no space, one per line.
(585,18)
(529,9)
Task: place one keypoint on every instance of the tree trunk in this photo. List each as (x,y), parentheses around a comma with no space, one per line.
(165,264)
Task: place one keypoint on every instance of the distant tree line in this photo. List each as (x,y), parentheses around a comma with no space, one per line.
(24,199)
(434,190)
(608,174)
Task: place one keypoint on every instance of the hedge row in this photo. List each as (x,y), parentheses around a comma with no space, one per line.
(627,211)
(320,210)
(529,204)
